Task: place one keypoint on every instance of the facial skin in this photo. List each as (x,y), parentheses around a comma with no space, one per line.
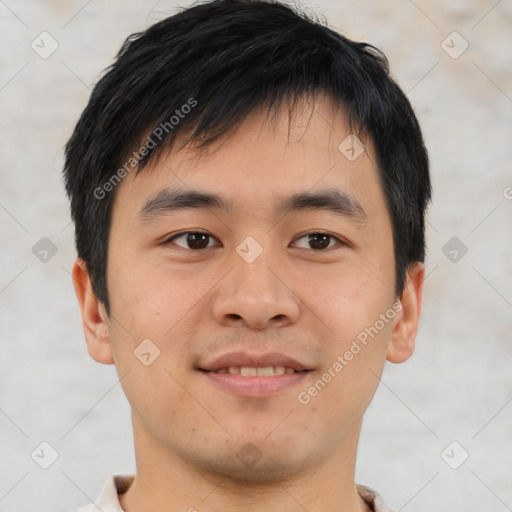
(198,304)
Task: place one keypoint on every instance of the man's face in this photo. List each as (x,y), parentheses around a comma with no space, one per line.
(251,290)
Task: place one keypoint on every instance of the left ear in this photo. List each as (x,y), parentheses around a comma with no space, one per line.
(406,323)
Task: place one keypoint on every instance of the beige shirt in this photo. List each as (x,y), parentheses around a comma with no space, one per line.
(118,484)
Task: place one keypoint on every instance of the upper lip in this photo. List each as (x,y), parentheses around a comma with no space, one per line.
(254,361)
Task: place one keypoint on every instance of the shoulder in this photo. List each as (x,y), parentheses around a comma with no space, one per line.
(108,500)
(373,498)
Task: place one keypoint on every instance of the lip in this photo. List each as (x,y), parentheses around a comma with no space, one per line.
(253,360)
(253,387)
(257,386)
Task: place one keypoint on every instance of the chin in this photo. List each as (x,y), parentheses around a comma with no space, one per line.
(241,470)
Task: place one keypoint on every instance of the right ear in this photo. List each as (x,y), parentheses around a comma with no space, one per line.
(95,320)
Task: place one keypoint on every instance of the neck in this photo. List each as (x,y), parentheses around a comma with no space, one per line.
(166,482)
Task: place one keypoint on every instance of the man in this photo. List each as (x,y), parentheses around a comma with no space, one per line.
(249,190)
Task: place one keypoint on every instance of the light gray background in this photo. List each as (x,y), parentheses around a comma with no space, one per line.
(457,386)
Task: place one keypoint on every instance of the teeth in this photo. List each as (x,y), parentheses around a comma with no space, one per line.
(267,371)
(249,371)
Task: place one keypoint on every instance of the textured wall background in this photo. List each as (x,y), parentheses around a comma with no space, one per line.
(458,385)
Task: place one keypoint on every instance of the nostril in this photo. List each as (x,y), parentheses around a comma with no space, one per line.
(234,316)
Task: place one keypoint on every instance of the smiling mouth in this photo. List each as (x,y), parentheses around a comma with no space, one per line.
(257,382)
(251,371)
(248,375)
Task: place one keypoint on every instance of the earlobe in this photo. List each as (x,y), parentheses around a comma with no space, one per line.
(406,322)
(95,321)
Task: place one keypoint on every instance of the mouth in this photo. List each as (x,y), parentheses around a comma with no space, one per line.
(246,375)
(255,371)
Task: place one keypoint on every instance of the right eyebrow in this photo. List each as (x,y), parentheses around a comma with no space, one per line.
(169,200)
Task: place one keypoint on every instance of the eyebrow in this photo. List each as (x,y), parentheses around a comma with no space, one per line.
(332,200)
(171,200)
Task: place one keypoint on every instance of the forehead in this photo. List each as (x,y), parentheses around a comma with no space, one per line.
(290,151)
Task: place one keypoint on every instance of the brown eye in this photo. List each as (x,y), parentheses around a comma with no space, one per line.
(318,241)
(192,240)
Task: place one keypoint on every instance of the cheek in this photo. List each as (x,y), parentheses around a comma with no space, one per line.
(150,300)
(158,400)
(353,308)
(346,384)
(345,299)
(154,311)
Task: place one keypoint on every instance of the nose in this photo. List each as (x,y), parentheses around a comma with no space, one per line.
(257,296)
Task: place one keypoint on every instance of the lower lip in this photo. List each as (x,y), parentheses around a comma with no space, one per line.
(255,386)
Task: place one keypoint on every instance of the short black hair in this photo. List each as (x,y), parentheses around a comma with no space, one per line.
(200,72)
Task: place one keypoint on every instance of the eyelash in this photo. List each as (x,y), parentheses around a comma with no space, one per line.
(313,233)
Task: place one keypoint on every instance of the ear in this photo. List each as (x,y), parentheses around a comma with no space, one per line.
(94,317)
(406,322)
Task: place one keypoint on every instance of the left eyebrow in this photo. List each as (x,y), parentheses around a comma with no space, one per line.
(331,200)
